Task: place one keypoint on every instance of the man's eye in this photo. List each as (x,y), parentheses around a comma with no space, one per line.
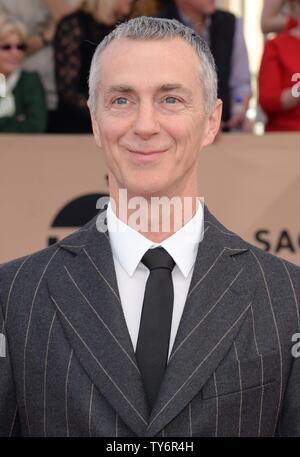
(120,101)
(171,100)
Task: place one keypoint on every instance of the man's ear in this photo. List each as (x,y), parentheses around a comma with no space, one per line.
(213,123)
(96,131)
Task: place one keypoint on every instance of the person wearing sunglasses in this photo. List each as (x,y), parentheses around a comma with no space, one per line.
(23,107)
(41,18)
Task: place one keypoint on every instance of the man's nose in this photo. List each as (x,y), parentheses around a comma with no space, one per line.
(146,122)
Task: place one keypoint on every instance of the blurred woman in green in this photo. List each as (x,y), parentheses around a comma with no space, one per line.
(23,107)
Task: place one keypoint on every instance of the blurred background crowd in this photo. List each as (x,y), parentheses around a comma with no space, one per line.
(46,47)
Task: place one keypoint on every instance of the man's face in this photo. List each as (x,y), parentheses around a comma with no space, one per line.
(150,120)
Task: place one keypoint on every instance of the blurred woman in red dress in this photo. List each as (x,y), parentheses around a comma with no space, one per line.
(279,77)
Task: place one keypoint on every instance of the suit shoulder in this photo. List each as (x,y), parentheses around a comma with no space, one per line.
(233,240)
(277,274)
(29,268)
(272,260)
(281,277)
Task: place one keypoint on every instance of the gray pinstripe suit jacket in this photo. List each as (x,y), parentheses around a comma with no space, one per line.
(70,368)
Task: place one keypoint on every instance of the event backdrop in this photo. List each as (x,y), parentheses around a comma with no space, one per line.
(50,184)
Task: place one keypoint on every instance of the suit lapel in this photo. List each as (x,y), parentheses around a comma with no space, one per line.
(84,291)
(217,303)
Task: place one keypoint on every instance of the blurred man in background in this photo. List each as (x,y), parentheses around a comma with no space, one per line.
(224,34)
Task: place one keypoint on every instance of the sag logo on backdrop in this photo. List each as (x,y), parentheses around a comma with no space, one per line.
(74,215)
(284,241)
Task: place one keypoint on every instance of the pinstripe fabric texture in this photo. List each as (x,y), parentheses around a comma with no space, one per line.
(69,368)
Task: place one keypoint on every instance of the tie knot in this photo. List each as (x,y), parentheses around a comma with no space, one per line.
(158,258)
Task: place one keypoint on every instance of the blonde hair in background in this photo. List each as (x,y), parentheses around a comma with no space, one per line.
(9,25)
(101,10)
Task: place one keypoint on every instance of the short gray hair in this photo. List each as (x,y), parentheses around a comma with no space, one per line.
(149,28)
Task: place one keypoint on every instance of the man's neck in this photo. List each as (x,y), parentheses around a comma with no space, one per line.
(156,218)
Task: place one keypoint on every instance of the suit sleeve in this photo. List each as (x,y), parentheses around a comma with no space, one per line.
(9,422)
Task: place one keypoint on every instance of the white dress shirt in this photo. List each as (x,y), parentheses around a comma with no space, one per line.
(128,248)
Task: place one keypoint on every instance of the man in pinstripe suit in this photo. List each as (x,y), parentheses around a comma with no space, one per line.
(70,313)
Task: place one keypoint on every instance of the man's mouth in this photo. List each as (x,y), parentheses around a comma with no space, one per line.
(146,155)
(148,152)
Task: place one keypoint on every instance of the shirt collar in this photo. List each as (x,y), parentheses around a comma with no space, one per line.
(129,246)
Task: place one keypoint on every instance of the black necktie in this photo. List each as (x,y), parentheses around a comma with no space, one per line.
(155,326)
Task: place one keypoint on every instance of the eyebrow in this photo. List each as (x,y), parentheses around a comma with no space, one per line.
(125,89)
(170,87)
(119,88)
